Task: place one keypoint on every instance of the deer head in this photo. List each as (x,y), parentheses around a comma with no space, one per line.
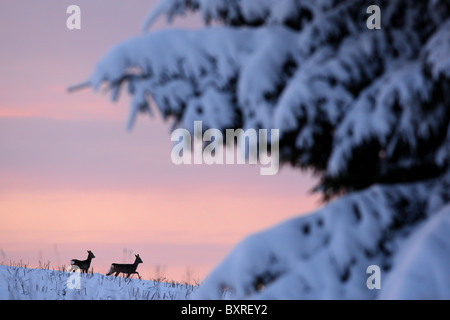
(90,254)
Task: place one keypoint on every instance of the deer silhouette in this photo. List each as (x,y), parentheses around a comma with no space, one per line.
(83,264)
(125,268)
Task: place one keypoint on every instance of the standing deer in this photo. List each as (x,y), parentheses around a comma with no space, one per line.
(83,264)
(125,268)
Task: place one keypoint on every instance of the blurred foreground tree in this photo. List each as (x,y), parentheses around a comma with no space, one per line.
(360,107)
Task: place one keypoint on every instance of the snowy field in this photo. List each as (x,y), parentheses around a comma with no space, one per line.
(17,283)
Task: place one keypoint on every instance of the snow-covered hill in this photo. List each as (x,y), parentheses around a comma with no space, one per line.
(37,284)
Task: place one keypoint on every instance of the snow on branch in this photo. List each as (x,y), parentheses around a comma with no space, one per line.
(291,13)
(177,66)
(325,254)
(437,50)
(333,87)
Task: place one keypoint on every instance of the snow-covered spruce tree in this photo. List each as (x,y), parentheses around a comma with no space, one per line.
(368,110)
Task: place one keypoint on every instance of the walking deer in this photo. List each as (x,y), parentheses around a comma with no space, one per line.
(83,264)
(125,268)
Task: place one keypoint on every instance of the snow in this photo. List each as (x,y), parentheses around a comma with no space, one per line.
(325,254)
(179,80)
(242,12)
(437,52)
(423,263)
(17,283)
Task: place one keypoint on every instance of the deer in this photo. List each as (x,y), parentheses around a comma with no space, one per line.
(125,268)
(83,264)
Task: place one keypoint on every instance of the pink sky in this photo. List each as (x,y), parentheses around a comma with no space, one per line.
(73,179)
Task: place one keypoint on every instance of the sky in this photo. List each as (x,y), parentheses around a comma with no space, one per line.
(72,178)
